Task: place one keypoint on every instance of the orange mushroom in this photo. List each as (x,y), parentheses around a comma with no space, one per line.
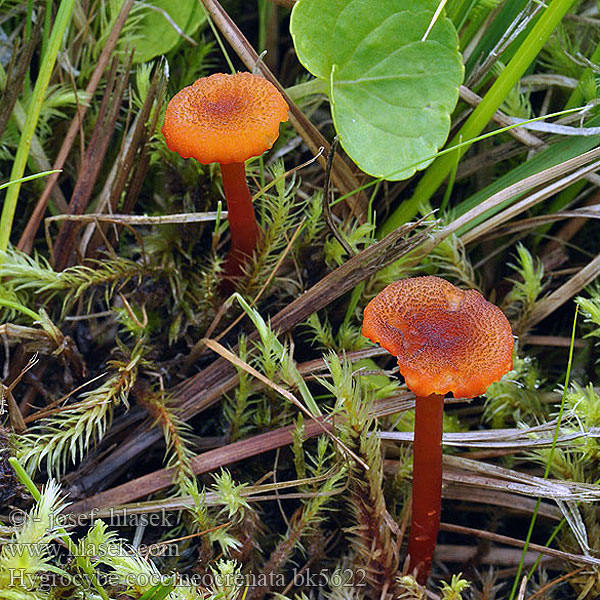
(228,119)
(446,340)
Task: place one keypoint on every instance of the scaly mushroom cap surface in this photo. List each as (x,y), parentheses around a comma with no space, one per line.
(446,339)
(224,118)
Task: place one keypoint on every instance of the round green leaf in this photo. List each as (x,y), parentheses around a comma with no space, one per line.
(391,93)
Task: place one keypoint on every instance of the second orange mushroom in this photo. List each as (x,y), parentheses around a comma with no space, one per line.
(446,340)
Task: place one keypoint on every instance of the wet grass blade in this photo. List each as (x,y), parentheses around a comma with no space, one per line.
(63,18)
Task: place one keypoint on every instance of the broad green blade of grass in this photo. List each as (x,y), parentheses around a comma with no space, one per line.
(63,18)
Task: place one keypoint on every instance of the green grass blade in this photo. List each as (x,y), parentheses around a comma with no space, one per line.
(63,18)
(29,178)
(158,592)
(550,456)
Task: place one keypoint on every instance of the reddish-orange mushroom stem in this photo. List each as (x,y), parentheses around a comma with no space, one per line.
(242,221)
(446,340)
(228,119)
(427,486)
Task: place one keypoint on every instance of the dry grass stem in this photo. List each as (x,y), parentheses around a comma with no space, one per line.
(504,539)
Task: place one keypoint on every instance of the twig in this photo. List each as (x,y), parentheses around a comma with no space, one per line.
(203,217)
(50,409)
(503,120)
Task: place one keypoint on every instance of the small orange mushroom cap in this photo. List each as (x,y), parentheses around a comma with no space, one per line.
(224,118)
(446,339)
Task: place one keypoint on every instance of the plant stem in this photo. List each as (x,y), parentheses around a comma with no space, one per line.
(18,306)
(307,88)
(242,222)
(427,484)
(63,17)
(482,114)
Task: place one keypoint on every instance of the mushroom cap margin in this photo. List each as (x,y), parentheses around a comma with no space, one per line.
(446,339)
(224,118)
